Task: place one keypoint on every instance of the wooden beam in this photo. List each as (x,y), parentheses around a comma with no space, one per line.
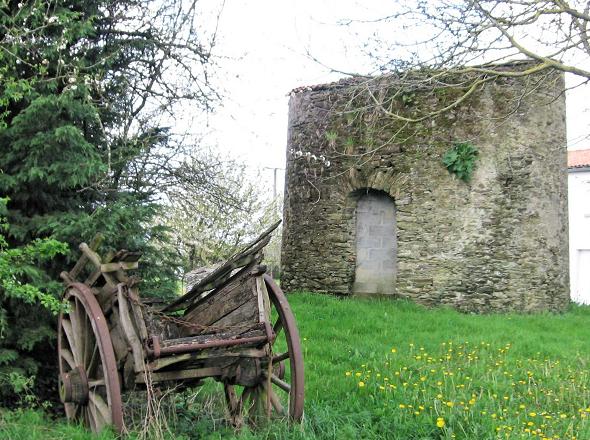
(113,267)
(196,373)
(129,331)
(84,258)
(90,254)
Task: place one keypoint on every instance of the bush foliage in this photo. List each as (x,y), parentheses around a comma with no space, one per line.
(85,148)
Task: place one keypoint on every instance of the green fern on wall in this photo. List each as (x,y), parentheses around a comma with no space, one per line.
(460,160)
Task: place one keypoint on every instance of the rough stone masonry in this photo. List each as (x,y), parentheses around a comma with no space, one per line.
(371,209)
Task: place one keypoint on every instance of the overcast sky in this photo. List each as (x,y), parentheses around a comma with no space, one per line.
(263,45)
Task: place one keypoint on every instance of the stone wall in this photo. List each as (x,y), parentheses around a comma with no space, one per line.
(495,243)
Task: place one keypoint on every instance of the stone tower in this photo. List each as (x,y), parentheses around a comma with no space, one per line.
(371,209)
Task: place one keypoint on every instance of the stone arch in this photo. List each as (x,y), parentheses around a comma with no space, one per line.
(375,242)
(386,180)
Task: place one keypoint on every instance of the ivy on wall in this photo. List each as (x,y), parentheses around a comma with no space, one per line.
(460,160)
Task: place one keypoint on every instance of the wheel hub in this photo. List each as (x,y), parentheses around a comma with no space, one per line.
(73,386)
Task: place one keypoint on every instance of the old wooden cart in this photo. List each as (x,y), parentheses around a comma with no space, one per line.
(234,326)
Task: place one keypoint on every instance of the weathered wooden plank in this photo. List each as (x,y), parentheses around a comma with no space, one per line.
(263,300)
(83,258)
(249,254)
(66,277)
(105,297)
(181,375)
(219,358)
(95,259)
(92,256)
(205,339)
(164,362)
(246,314)
(206,297)
(137,313)
(120,346)
(208,356)
(129,331)
(95,275)
(216,280)
(220,303)
(124,265)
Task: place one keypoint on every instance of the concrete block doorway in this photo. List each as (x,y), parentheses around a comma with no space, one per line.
(376,244)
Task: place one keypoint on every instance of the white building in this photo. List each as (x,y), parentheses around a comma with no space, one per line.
(579,221)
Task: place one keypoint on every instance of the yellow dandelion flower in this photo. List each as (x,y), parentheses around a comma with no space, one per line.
(440,422)
(361,384)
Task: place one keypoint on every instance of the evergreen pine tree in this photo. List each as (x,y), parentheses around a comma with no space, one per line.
(78,153)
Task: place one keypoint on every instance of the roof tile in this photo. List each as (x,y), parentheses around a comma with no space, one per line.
(578,158)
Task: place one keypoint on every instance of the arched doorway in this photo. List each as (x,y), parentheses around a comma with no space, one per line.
(376,244)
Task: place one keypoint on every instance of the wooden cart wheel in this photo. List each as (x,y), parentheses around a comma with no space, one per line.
(285,396)
(88,380)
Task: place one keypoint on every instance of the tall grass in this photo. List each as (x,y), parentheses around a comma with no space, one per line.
(379,369)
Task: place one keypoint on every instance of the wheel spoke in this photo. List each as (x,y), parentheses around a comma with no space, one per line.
(93,361)
(280,383)
(276,403)
(70,410)
(97,401)
(87,340)
(92,418)
(69,331)
(67,356)
(77,334)
(277,327)
(86,335)
(96,383)
(280,357)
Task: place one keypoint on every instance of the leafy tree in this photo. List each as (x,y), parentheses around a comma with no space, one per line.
(20,294)
(206,229)
(86,90)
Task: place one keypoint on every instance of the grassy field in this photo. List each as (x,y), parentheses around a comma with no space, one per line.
(378,369)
